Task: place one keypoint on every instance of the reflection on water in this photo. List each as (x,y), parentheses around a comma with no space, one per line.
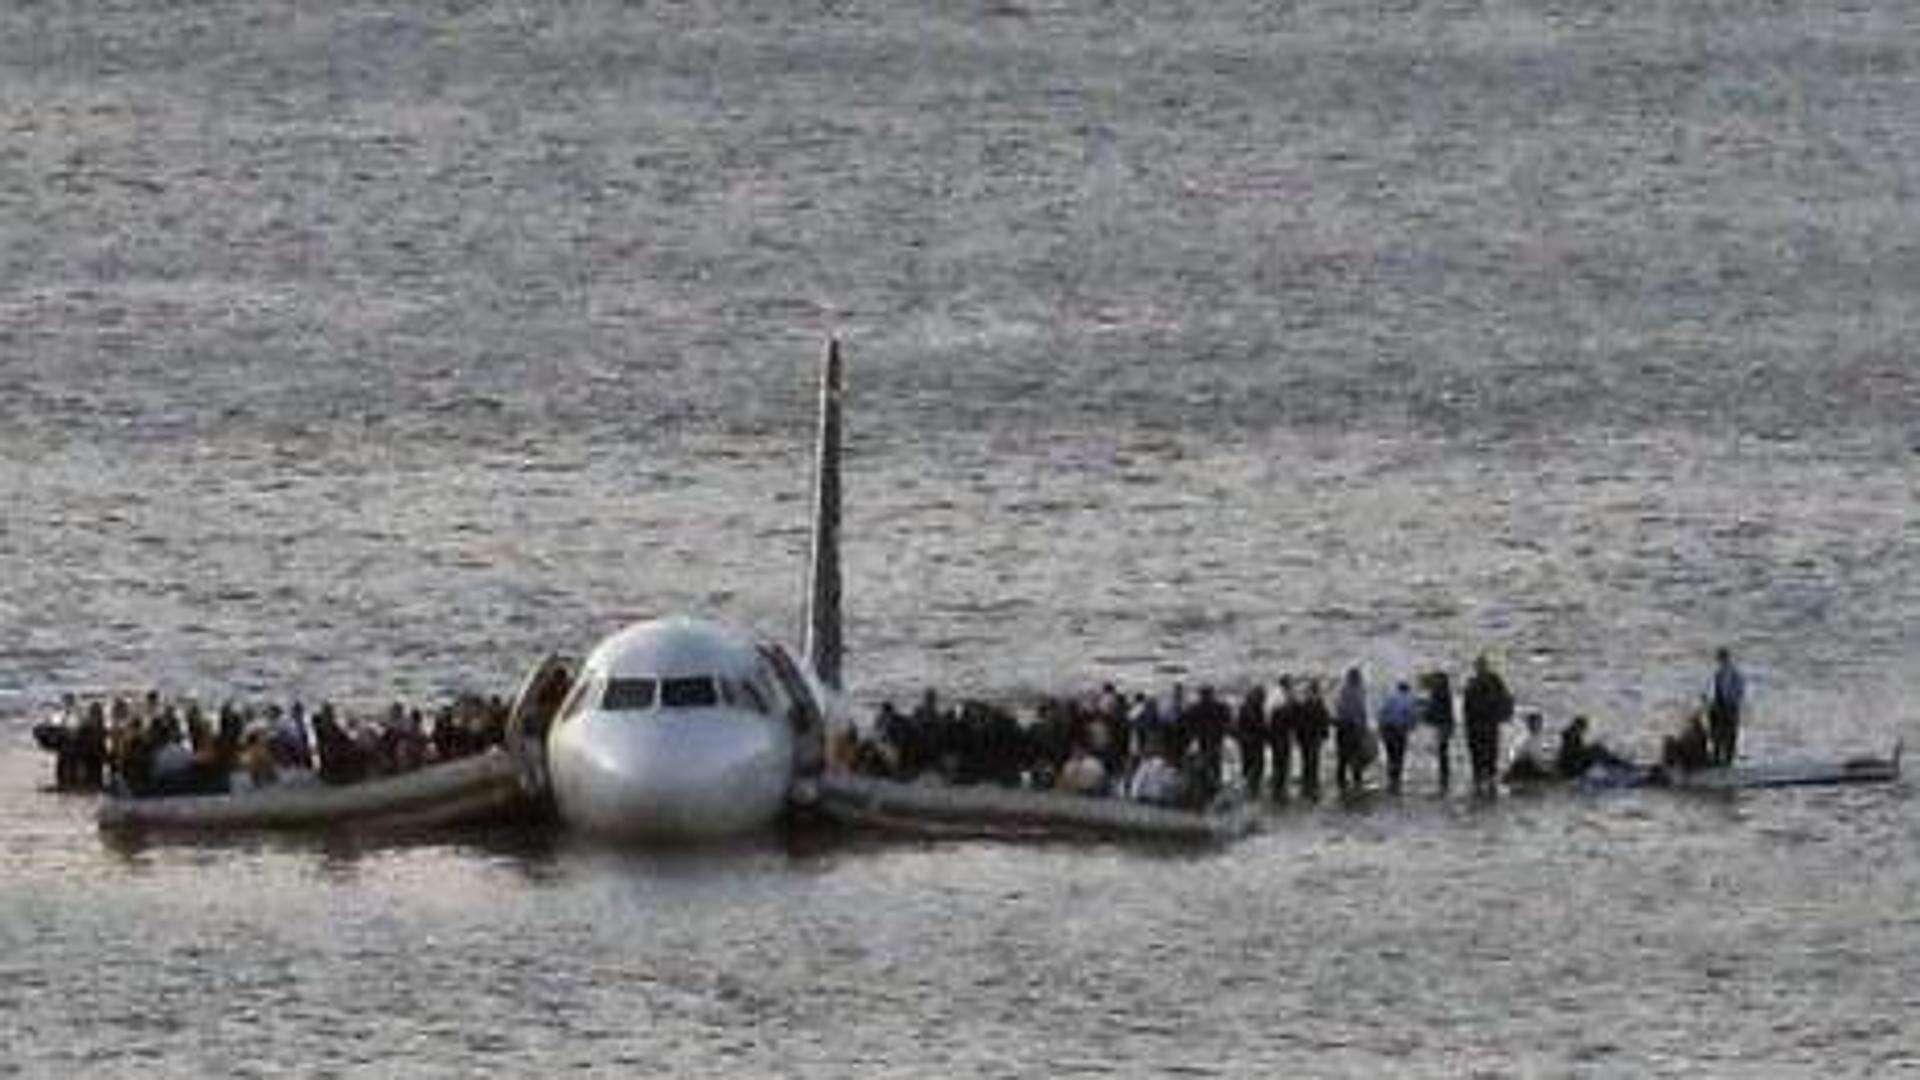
(337,854)
(1552,930)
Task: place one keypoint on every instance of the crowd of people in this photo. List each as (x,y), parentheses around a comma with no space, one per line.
(1178,750)
(1173,750)
(152,745)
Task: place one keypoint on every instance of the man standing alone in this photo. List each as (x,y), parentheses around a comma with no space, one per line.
(1729,692)
(1487,705)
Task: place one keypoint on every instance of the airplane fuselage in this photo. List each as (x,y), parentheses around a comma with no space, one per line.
(681,728)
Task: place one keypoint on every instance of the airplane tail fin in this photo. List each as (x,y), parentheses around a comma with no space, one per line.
(823,642)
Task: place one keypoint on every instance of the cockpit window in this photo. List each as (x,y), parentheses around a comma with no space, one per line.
(629,695)
(696,690)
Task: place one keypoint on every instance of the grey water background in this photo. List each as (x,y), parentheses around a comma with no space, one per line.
(365,351)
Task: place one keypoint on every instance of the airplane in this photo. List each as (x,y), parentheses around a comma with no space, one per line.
(683,729)
(690,728)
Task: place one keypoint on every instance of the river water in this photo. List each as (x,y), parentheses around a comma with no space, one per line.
(354,352)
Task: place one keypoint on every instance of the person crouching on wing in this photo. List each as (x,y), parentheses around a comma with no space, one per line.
(1528,761)
(1690,750)
(1082,773)
(1155,780)
(1577,754)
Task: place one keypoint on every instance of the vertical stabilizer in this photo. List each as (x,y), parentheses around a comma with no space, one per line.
(824,646)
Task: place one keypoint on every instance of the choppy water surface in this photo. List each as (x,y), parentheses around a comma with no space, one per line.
(367,353)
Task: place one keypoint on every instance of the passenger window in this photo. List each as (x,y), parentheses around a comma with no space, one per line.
(629,695)
(689,692)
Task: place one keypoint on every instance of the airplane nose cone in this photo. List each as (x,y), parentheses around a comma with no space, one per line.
(705,774)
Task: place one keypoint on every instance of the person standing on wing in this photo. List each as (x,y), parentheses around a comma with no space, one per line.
(1397,716)
(1350,731)
(1486,704)
(1250,728)
(1283,726)
(1724,700)
(1208,721)
(1310,728)
(1436,711)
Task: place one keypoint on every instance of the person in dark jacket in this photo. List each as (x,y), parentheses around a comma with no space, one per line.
(1486,704)
(342,761)
(1350,734)
(1280,731)
(1690,750)
(1311,725)
(1437,712)
(1208,720)
(1726,696)
(90,747)
(1250,728)
(1177,724)
(1577,753)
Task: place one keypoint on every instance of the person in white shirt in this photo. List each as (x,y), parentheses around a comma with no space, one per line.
(1530,759)
(1155,780)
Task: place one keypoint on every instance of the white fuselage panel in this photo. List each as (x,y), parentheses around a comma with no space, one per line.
(693,773)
